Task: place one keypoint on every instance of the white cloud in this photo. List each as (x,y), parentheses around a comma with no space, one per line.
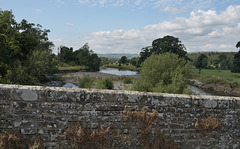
(171,10)
(60,2)
(201,31)
(38,10)
(69,24)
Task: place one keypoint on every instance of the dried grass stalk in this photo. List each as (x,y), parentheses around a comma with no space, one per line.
(80,136)
(207,124)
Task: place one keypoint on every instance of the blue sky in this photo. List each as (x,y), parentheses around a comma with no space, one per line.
(126,26)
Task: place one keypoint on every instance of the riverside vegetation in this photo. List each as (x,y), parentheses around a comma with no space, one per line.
(26,58)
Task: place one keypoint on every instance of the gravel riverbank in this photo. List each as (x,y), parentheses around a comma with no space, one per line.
(75,76)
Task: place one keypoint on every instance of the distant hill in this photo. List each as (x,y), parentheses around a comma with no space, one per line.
(118,55)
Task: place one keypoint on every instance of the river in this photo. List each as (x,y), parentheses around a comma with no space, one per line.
(118,72)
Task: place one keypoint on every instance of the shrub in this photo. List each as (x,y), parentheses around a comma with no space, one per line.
(163,73)
(86,82)
(105,84)
(127,80)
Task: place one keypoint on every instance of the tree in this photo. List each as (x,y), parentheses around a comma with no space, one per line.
(236,61)
(238,44)
(163,73)
(144,54)
(123,60)
(19,41)
(134,61)
(163,45)
(87,57)
(201,62)
(169,44)
(65,54)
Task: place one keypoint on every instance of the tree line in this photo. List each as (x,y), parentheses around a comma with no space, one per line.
(216,60)
(26,53)
(82,57)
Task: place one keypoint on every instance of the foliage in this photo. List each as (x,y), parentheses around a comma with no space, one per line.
(127,80)
(238,44)
(25,52)
(41,65)
(236,63)
(86,82)
(163,45)
(66,54)
(105,61)
(216,60)
(71,68)
(105,84)
(123,60)
(122,67)
(82,57)
(201,62)
(135,61)
(163,73)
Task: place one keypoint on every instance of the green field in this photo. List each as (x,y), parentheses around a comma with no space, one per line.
(223,75)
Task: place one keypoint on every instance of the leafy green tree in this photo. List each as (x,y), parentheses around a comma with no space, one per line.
(87,57)
(65,54)
(163,73)
(201,62)
(144,54)
(162,45)
(169,44)
(41,65)
(236,61)
(238,44)
(19,41)
(135,61)
(123,60)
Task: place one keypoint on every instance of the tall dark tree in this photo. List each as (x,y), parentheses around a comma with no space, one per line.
(169,44)
(201,62)
(65,54)
(144,54)
(123,60)
(162,45)
(236,61)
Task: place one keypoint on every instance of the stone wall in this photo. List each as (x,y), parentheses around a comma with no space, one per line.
(49,111)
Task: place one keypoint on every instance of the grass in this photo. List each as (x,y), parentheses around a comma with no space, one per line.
(72,68)
(223,75)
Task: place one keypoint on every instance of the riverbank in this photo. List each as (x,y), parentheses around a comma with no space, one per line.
(218,88)
(74,78)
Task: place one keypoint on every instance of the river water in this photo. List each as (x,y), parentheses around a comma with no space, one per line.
(118,72)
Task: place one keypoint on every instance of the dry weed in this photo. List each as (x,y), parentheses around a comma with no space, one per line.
(207,124)
(82,137)
(145,126)
(37,144)
(9,140)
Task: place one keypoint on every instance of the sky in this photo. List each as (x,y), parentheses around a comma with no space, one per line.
(126,26)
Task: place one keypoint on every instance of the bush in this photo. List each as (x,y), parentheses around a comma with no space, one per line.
(163,73)
(127,80)
(86,82)
(105,84)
